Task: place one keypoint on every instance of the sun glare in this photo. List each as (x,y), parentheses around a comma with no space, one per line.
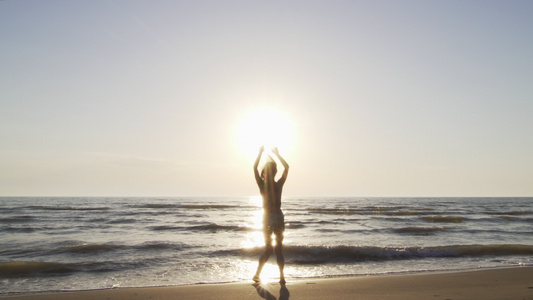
(264,127)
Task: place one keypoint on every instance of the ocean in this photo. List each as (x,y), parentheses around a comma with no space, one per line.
(67,243)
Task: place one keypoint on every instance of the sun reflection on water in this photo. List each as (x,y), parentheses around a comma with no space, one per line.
(254,238)
(245,269)
(256,200)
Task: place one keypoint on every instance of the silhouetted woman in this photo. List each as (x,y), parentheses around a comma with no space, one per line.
(273,219)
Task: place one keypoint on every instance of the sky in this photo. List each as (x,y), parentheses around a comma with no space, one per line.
(158,98)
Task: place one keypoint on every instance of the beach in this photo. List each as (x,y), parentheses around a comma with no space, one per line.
(487,284)
(77,244)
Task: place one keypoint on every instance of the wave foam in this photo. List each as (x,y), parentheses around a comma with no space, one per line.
(300,254)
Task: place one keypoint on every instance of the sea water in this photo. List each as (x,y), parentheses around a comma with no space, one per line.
(52,244)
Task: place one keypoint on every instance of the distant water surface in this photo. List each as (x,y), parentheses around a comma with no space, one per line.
(49,244)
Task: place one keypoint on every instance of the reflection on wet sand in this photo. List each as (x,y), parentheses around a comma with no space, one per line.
(264,293)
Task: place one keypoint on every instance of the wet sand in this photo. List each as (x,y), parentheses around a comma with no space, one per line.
(497,284)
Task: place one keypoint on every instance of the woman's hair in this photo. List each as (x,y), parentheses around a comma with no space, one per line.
(270,165)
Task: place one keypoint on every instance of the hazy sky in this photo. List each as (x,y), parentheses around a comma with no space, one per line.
(383,98)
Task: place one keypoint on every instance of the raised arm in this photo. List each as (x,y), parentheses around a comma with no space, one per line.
(285,166)
(256,164)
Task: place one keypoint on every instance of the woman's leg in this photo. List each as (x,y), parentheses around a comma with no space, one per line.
(279,256)
(265,256)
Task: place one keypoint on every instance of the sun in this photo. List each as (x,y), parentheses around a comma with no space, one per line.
(265,127)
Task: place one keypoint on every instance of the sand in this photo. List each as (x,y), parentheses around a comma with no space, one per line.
(500,284)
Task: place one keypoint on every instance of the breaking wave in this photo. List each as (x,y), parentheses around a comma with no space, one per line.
(352,254)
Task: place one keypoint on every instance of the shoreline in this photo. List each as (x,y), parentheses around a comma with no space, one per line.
(490,283)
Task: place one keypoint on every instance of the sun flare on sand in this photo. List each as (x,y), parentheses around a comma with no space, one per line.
(265,127)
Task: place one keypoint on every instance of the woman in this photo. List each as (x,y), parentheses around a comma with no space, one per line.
(273,219)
